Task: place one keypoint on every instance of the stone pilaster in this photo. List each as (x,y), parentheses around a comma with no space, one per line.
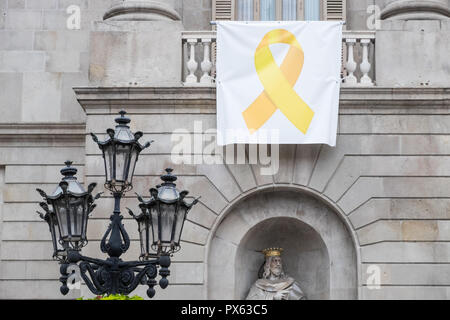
(413,44)
(138,44)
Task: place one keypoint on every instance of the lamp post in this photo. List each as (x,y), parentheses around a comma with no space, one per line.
(160,225)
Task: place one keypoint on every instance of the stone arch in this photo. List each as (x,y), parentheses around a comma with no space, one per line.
(293,214)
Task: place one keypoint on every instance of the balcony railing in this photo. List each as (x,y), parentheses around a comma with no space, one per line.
(199,58)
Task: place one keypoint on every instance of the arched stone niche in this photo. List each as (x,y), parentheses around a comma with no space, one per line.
(305,256)
(319,251)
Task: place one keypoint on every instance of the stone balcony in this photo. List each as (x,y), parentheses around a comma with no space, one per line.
(143,44)
(358,51)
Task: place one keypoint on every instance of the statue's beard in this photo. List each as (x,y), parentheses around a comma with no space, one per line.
(276,272)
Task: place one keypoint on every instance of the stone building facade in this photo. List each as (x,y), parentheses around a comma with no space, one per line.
(379,200)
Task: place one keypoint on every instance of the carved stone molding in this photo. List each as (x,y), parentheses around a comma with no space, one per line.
(132,10)
(416,10)
(29,134)
(372,100)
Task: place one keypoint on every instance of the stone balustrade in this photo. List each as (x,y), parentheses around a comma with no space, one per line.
(199,58)
(358,50)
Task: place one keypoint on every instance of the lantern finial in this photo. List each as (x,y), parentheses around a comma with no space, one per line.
(68,172)
(122,120)
(169,178)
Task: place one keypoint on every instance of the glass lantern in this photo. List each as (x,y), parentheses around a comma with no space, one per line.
(69,212)
(162,219)
(59,248)
(120,153)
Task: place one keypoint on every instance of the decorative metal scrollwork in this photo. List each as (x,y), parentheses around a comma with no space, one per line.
(113,275)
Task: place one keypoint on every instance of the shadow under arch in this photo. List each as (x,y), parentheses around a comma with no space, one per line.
(230,234)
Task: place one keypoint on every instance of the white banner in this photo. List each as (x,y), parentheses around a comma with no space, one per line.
(278,82)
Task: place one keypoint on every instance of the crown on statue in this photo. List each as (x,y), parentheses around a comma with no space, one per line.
(272,252)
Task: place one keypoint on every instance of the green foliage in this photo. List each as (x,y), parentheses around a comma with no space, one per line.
(113,297)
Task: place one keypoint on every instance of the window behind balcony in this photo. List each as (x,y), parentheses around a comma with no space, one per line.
(263,10)
(248,10)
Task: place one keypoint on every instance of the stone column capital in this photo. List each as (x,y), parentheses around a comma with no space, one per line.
(141,10)
(416,10)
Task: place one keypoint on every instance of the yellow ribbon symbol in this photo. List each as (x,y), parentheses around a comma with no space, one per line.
(278,84)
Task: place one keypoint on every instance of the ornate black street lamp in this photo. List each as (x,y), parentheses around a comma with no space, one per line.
(160,224)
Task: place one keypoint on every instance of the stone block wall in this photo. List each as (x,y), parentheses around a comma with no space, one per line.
(31,158)
(387,180)
(41,59)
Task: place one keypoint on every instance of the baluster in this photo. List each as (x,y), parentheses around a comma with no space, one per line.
(206,64)
(365,64)
(192,65)
(350,79)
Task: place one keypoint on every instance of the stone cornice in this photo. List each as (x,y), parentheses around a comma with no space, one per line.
(146,93)
(359,99)
(429,99)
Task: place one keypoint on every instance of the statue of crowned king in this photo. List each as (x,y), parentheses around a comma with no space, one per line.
(274,283)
